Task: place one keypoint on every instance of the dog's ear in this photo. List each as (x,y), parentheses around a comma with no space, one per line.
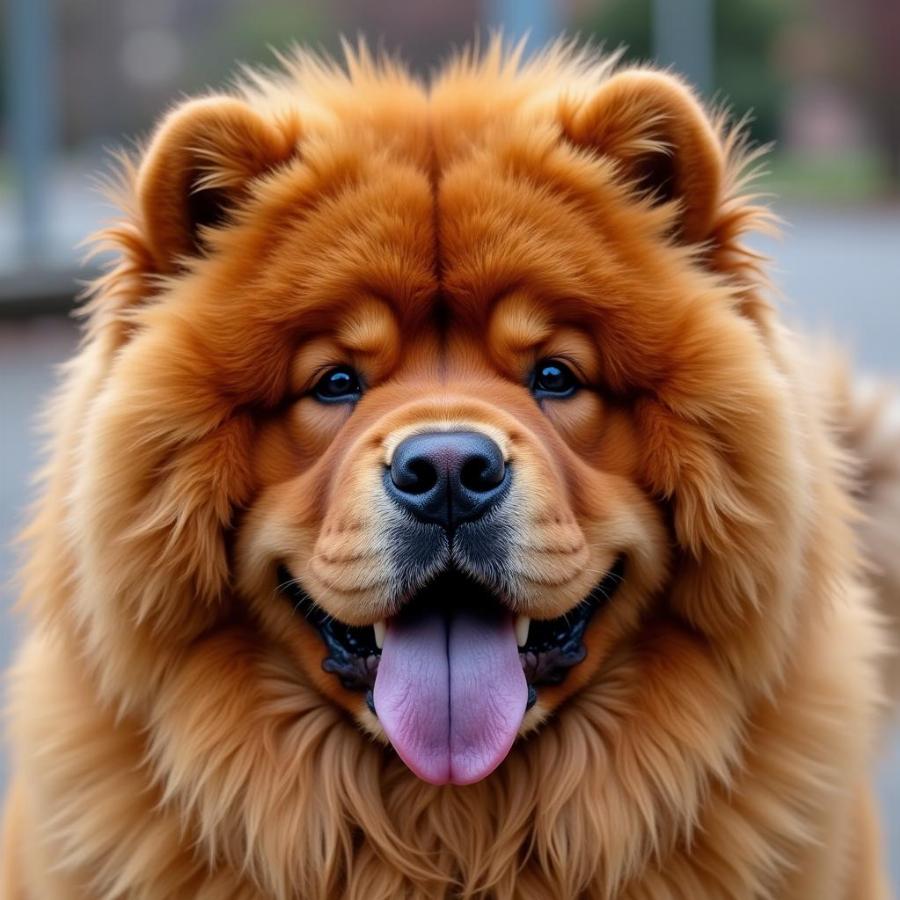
(661,139)
(198,166)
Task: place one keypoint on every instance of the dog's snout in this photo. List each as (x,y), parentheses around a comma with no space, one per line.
(447,477)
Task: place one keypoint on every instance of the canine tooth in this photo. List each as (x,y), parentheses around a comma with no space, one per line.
(379,628)
(523,623)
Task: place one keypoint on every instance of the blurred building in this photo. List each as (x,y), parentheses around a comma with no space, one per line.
(821,77)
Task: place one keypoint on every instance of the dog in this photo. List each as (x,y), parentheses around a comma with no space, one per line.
(438,507)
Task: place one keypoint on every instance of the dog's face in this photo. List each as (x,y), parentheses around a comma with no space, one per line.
(451,413)
(446,502)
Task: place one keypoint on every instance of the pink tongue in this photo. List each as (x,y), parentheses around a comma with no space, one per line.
(451,694)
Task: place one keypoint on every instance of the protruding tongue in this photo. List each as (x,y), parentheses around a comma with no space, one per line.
(450,693)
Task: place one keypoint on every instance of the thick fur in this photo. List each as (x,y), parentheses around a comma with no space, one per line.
(866,418)
(172,732)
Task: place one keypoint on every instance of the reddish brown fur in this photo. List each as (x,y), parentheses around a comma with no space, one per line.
(174,733)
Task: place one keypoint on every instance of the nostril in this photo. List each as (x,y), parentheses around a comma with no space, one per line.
(424,478)
(482,473)
(415,475)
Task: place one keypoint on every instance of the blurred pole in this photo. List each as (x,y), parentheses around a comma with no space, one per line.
(683,37)
(31,95)
(541,20)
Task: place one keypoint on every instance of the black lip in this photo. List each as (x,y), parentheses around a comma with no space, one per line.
(352,653)
(554,645)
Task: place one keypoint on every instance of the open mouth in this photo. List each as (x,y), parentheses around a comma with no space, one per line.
(451,676)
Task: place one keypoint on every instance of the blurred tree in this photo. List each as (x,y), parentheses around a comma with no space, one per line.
(855,49)
(872,29)
(746,32)
(4,82)
(248,34)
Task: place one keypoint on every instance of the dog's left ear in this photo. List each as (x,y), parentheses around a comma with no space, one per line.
(197,169)
(661,139)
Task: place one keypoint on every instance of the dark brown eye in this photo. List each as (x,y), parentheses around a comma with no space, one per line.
(338,385)
(552,378)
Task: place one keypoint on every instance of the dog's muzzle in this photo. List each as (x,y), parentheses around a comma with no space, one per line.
(452,671)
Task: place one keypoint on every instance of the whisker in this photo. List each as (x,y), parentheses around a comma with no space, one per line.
(283,586)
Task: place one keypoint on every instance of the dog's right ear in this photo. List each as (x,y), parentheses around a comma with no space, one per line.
(665,146)
(198,166)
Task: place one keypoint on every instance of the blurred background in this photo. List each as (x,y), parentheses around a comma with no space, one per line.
(821,78)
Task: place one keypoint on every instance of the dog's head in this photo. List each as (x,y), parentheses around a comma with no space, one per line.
(453,412)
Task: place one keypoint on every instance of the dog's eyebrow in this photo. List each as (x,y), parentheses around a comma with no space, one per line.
(366,326)
(370,328)
(518,323)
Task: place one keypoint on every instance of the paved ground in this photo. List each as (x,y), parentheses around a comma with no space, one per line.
(842,273)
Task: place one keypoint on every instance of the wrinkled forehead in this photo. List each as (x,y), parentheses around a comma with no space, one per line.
(444,246)
(483,255)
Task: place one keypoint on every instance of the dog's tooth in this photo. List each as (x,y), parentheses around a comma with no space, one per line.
(523,623)
(379,628)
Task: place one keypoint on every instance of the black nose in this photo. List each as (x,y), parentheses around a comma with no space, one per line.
(447,477)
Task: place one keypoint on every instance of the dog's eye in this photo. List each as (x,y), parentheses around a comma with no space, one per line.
(338,385)
(553,378)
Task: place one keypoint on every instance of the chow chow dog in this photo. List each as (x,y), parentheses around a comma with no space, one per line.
(437,507)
